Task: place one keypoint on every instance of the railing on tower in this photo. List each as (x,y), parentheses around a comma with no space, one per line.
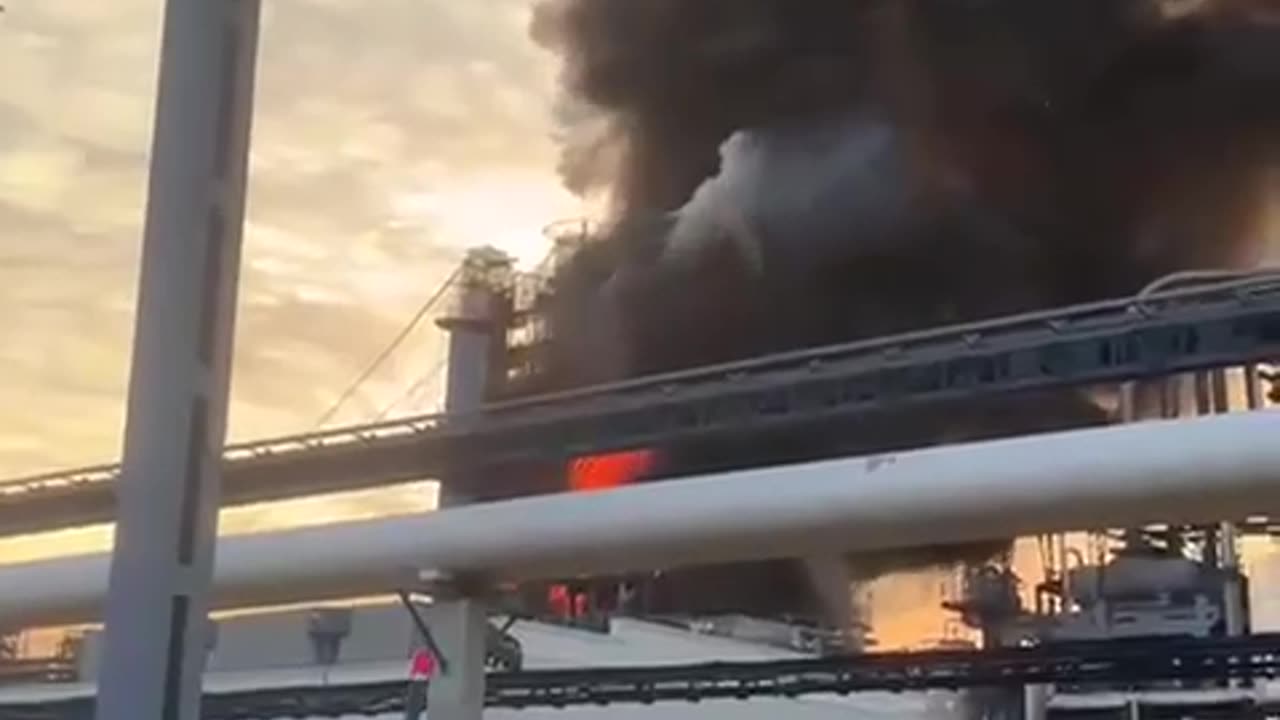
(528,326)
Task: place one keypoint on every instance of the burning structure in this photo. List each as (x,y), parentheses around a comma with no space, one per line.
(786,175)
(789,174)
(793,174)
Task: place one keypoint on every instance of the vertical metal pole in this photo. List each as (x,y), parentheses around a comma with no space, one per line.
(1219,386)
(1171,402)
(1233,593)
(170,486)
(1035,702)
(1129,393)
(1228,555)
(460,626)
(833,583)
(1252,387)
(1203,393)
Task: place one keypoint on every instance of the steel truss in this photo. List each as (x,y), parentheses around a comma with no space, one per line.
(1224,325)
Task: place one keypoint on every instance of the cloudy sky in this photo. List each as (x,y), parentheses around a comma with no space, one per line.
(390,135)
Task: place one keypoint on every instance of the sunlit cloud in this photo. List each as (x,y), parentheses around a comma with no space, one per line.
(509,210)
(389,137)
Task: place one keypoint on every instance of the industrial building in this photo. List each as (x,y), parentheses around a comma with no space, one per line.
(1137,585)
(733,483)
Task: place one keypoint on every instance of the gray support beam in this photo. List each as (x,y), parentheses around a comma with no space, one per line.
(1252,387)
(169,490)
(1228,537)
(1035,702)
(1233,594)
(459,625)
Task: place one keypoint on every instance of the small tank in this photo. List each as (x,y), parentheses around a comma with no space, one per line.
(1133,576)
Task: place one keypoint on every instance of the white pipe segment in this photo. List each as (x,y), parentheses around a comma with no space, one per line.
(1187,471)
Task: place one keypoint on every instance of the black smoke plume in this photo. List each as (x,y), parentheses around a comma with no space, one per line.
(790,173)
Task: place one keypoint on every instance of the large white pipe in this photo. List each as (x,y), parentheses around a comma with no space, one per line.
(1188,471)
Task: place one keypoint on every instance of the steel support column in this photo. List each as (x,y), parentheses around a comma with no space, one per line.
(1035,702)
(459,625)
(169,490)
(1233,600)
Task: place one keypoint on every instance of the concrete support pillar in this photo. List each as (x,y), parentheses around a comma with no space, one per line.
(1229,553)
(1172,400)
(170,486)
(834,585)
(1128,402)
(459,626)
(1233,593)
(1253,387)
(1036,702)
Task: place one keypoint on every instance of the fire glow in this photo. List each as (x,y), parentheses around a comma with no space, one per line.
(609,470)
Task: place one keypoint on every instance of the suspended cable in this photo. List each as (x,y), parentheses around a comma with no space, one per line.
(373,366)
(543,269)
(426,379)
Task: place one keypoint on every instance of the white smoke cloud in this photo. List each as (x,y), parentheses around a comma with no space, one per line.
(783,184)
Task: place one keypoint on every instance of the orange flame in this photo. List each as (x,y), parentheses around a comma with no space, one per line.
(610,470)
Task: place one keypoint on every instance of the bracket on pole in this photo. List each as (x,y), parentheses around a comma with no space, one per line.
(459,638)
(425,631)
(440,586)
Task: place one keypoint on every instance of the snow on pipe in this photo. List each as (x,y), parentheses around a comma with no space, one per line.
(1187,471)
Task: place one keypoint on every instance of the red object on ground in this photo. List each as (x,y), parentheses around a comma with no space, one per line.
(422,666)
(610,470)
(558,600)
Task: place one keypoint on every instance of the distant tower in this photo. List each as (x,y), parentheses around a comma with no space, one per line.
(476,341)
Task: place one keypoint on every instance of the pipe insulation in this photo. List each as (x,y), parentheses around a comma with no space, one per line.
(1188,471)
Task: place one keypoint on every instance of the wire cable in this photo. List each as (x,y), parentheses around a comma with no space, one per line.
(426,379)
(543,268)
(373,366)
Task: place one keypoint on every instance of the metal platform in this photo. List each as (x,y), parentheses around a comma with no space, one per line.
(1229,324)
(1110,664)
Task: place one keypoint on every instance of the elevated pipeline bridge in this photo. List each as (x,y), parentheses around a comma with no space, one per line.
(1227,324)
(1111,664)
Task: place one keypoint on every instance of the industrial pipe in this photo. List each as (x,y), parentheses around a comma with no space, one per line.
(1184,471)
